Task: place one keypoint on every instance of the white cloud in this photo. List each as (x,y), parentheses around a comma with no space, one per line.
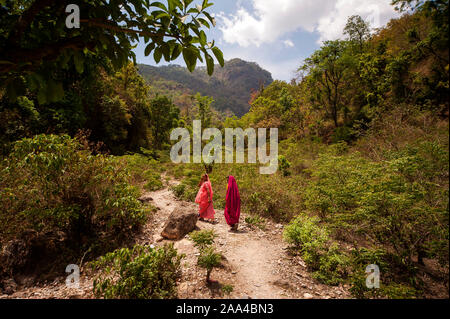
(271,19)
(288,43)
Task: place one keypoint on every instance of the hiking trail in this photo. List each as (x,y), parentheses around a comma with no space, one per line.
(256,262)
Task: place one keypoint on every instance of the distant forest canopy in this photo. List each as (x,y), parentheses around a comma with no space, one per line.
(230,86)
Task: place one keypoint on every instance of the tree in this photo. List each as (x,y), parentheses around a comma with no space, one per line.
(325,74)
(34,39)
(164,117)
(204,109)
(357,30)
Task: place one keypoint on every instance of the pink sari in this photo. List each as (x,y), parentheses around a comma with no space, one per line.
(206,210)
(233,203)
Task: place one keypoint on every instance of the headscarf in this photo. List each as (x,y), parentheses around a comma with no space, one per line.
(233,202)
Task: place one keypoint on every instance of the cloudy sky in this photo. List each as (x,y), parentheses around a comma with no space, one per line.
(279,34)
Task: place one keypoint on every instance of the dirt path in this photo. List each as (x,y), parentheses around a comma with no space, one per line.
(256,262)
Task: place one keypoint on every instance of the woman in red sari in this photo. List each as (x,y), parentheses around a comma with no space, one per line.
(204,199)
(233,204)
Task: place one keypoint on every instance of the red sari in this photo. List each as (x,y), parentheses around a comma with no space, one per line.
(233,203)
(206,208)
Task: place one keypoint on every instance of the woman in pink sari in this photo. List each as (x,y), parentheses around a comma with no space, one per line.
(204,199)
(233,204)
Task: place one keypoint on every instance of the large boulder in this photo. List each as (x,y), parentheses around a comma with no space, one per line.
(181,222)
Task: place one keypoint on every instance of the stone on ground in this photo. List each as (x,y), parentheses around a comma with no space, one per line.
(181,222)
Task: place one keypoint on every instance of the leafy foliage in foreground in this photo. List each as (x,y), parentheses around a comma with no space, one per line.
(35,40)
(397,208)
(208,258)
(53,185)
(202,238)
(138,273)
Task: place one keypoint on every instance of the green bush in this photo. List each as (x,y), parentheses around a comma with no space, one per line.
(343,133)
(51,185)
(209,259)
(333,267)
(304,233)
(227,289)
(153,181)
(399,203)
(142,167)
(185,191)
(138,273)
(179,190)
(320,255)
(202,238)
(257,221)
(284,165)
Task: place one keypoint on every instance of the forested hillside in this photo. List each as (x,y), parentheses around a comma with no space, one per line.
(86,176)
(230,86)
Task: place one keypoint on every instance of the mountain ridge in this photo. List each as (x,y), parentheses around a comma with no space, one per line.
(230,86)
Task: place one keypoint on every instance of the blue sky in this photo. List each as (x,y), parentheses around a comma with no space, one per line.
(280,34)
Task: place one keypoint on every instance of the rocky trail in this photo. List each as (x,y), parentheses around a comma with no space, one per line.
(256,262)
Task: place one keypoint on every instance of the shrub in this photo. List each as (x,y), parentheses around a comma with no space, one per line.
(51,186)
(284,165)
(312,241)
(179,190)
(271,200)
(209,259)
(399,202)
(153,179)
(333,267)
(227,289)
(343,133)
(256,221)
(138,273)
(185,191)
(202,238)
(141,167)
(304,233)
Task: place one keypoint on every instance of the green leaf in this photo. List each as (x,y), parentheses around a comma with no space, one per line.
(165,49)
(219,55)
(159,5)
(204,22)
(202,38)
(209,63)
(190,57)
(149,49)
(157,54)
(176,51)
